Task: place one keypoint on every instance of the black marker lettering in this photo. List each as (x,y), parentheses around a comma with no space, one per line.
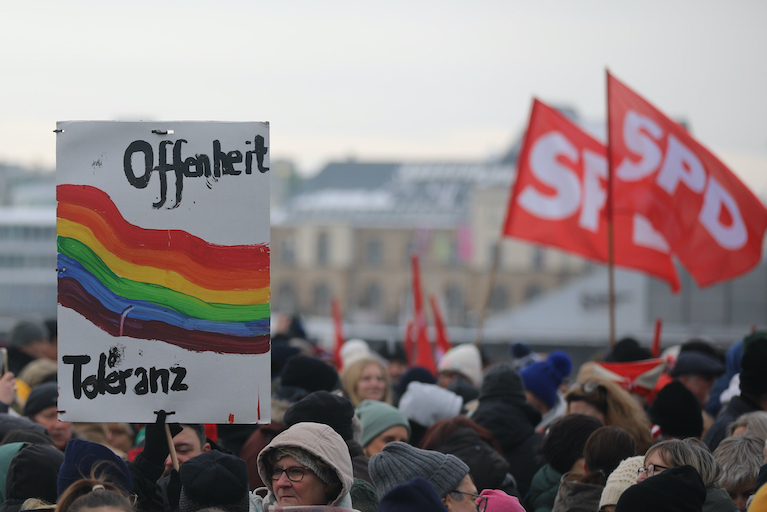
(160,374)
(190,167)
(142,388)
(179,374)
(77,372)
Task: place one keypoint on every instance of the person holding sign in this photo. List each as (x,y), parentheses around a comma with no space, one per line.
(306,464)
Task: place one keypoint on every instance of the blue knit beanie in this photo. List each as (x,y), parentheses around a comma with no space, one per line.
(82,457)
(543,378)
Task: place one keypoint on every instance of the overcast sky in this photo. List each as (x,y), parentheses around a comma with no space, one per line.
(414,79)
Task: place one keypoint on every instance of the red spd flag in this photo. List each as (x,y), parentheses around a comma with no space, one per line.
(560,195)
(713,222)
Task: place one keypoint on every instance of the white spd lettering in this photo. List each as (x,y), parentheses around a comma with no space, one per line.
(644,235)
(545,165)
(594,194)
(680,166)
(640,144)
(566,202)
(731,237)
(549,171)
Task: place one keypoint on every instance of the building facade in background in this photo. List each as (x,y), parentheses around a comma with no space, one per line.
(27,246)
(349,233)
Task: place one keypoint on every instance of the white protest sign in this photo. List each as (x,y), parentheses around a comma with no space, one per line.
(163,268)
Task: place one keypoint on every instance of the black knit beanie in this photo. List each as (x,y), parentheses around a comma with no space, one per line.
(309,373)
(678,489)
(753,366)
(214,479)
(676,411)
(326,408)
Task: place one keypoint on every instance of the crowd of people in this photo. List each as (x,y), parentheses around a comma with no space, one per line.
(368,432)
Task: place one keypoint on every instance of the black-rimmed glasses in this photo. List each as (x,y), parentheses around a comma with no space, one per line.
(481,501)
(651,469)
(294,473)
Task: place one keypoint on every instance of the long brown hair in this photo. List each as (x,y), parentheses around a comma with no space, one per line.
(605,448)
(92,493)
(616,404)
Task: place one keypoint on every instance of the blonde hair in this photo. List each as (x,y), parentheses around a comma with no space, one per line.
(351,375)
(617,406)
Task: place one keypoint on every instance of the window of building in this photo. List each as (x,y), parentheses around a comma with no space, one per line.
(372,297)
(539,257)
(499,299)
(321,299)
(374,253)
(323,249)
(287,251)
(456,308)
(285,301)
(533,291)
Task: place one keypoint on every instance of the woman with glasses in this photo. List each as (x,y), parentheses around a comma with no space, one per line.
(614,407)
(306,464)
(692,452)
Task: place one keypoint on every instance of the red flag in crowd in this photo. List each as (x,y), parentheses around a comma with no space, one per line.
(714,224)
(443,341)
(424,353)
(637,377)
(408,342)
(560,198)
(339,335)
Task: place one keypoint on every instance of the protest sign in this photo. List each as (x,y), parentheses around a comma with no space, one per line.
(163,271)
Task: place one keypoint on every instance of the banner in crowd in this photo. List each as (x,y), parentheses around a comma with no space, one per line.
(560,197)
(163,271)
(714,224)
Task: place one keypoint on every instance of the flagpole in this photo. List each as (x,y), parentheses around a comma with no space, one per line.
(610,238)
(610,272)
(490,286)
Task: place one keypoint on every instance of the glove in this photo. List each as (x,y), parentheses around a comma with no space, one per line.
(156,448)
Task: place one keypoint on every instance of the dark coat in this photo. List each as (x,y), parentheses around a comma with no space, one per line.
(504,412)
(488,468)
(33,473)
(253,446)
(737,407)
(543,490)
(578,497)
(359,461)
(717,500)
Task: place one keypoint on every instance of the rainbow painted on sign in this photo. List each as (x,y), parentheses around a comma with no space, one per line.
(155,284)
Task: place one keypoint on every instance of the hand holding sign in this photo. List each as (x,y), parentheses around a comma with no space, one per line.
(156,446)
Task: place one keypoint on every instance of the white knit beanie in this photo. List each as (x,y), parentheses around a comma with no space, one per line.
(426,404)
(466,360)
(624,476)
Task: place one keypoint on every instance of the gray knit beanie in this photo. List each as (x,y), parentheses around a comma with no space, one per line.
(26,331)
(399,463)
